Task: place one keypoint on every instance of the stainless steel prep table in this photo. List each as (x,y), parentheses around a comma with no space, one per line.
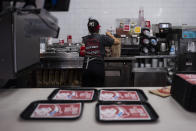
(13,101)
(119,71)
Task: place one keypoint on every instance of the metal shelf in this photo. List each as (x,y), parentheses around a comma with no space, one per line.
(150,69)
(155,56)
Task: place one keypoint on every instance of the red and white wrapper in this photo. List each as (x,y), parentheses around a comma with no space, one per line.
(123,112)
(74,95)
(191,78)
(106,95)
(71,110)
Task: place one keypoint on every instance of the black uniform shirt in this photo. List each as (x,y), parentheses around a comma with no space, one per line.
(95,44)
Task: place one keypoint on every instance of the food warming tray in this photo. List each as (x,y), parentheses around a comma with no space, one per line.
(76,95)
(50,110)
(120,95)
(125,112)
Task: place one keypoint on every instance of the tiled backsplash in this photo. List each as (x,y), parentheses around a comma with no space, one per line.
(74,22)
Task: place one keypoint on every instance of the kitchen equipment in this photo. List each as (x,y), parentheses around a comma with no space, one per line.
(154,63)
(127,41)
(186,60)
(164,27)
(145,32)
(130,50)
(153,50)
(141,61)
(142,65)
(165,62)
(136,65)
(147,63)
(135,40)
(145,50)
(130,46)
(160,63)
(163,47)
(20,31)
(191,46)
(146,41)
(153,41)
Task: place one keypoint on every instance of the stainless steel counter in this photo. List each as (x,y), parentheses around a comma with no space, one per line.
(172,117)
(64,62)
(124,66)
(61,56)
(60,60)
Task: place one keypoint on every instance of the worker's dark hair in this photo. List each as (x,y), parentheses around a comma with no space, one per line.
(93,26)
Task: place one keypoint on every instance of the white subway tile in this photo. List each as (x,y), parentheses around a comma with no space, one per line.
(75,20)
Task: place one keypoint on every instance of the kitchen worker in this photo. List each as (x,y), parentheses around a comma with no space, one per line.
(93,66)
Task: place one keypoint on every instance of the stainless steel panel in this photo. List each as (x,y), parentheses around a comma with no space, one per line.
(26,47)
(119,74)
(150,79)
(6,49)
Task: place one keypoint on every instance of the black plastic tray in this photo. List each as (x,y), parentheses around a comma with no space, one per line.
(27,113)
(153,116)
(140,93)
(54,93)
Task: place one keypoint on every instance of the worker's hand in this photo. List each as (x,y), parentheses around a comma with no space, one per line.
(109,33)
(116,41)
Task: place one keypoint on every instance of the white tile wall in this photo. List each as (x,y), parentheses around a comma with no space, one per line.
(74,21)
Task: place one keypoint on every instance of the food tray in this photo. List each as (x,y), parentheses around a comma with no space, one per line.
(125,112)
(76,95)
(50,110)
(120,95)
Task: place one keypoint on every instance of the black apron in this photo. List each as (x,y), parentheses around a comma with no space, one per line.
(93,72)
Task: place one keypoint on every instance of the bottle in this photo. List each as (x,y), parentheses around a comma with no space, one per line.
(141,21)
(49,41)
(172,49)
(42,45)
(69,40)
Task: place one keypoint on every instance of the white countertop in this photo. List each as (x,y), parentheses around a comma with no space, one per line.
(13,101)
